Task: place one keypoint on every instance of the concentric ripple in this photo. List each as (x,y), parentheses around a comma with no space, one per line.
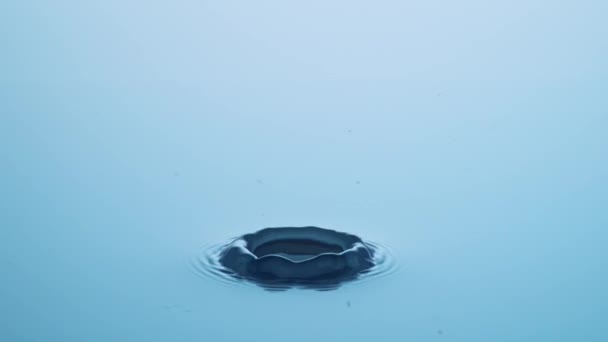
(278,259)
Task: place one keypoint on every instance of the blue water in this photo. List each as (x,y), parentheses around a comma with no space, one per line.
(470,137)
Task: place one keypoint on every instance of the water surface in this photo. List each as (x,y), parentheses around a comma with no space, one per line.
(469,137)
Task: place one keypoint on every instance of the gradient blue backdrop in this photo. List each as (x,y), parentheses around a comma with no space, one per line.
(470,136)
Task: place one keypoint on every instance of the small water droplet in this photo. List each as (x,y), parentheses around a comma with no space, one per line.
(348,303)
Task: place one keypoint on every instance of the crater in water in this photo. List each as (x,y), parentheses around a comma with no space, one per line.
(285,257)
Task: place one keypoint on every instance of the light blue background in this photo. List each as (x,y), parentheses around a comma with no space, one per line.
(470,136)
